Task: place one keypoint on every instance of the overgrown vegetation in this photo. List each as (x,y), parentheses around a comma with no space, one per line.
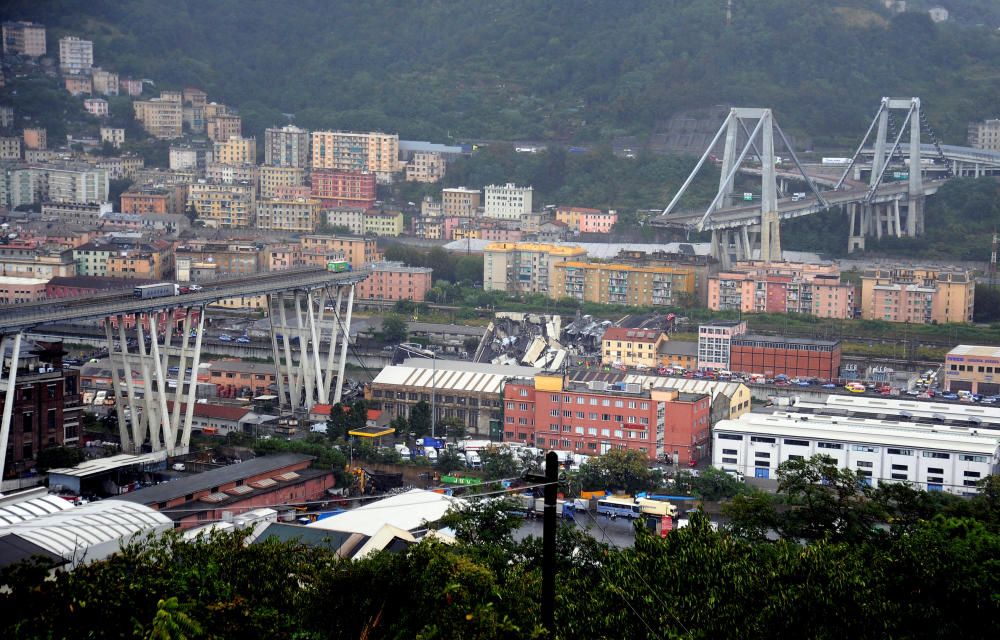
(838,559)
(507,72)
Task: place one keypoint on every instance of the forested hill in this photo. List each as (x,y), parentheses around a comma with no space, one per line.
(585,70)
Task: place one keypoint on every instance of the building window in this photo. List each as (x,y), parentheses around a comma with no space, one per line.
(761,439)
(899,476)
(900,467)
(865,448)
(729,461)
(865,464)
(730,436)
(899,452)
(936,454)
(829,445)
(796,443)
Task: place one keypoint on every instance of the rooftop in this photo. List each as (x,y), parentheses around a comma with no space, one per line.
(451,375)
(875,432)
(975,350)
(632,335)
(214,478)
(785,340)
(406,511)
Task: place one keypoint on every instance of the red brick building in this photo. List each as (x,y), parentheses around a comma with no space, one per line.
(282,479)
(777,355)
(337,188)
(47,407)
(554,412)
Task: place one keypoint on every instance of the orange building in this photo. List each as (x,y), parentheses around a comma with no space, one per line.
(148,201)
(782,287)
(396,281)
(148,263)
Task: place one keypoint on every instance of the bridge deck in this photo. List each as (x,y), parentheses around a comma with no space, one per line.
(788,208)
(23,317)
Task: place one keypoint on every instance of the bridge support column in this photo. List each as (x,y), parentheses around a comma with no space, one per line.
(10,383)
(153,416)
(857,227)
(719,249)
(345,343)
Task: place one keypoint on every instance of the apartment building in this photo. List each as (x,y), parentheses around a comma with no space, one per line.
(782,287)
(358,251)
(386,224)
(75,55)
(184,157)
(272,178)
(278,257)
(46,408)
(160,118)
(142,262)
(35,138)
(222,128)
(632,348)
(18,289)
(642,286)
(525,267)
(131,87)
(231,173)
(425,166)
(396,281)
(33,260)
(97,107)
(24,38)
(151,200)
(223,206)
(235,150)
(120,167)
(585,220)
(105,82)
(553,411)
(72,182)
(78,85)
(351,218)
(10,148)
(6,116)
(460,202)
(115,136)
(83,214)
(985,135)
(286,147)
(921,295)
(429,228)
(297,215)
(340,188)
(715,343)
(507,202)
(375,151)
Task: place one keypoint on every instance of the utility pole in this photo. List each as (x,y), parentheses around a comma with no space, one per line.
(550,490)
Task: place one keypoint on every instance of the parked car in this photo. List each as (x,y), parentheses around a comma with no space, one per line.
(243,340)
(225,338)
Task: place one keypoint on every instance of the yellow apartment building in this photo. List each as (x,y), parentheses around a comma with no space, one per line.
(525,267)
(640,286)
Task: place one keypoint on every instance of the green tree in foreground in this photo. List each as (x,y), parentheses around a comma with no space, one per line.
(618,470)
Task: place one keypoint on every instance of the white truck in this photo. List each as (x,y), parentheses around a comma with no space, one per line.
(473,460)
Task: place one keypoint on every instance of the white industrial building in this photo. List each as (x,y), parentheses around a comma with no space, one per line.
(36,524)
(932,457)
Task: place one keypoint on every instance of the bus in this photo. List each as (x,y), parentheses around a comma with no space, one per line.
(338,266)
(618,507)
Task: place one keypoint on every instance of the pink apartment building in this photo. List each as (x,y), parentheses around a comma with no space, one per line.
(782,287)
(597,222)
(396,281)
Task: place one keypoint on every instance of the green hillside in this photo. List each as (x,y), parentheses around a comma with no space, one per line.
(512,69)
